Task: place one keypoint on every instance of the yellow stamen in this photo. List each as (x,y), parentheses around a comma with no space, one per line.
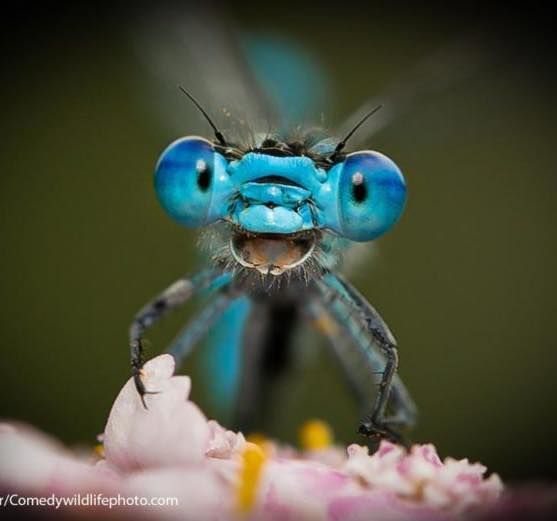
(98,450)
(253,459)
(315,435)
(261,441)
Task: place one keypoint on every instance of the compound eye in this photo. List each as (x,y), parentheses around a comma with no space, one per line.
(184,179)
(372,193)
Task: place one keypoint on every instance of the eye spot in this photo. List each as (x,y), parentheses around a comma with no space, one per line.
(359,189)
(203,175)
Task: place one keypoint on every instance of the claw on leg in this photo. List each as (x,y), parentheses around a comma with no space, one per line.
(380,430)
(140,386)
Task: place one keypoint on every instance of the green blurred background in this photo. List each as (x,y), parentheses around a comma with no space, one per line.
(466,281)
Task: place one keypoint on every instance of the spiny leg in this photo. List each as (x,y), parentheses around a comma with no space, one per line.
(372,424)
(375,423)
(171,298)
(368,359)
(337,294)
(402,405)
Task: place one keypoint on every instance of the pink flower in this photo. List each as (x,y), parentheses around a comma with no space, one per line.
(138,438)
(31,462)
(172,450)
(420,477)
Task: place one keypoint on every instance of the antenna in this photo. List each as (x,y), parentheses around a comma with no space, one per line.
(342,144)
(218,134)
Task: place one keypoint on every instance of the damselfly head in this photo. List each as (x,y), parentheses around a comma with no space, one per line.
(279,195)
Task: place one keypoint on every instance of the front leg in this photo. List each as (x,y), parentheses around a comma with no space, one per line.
(171,298)
(374,424)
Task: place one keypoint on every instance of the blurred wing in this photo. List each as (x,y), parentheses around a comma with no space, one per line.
(248,83)
(446,68)
(436,73)
(195,49)
(295,82)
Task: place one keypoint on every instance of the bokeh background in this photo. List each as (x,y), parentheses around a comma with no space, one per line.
(466,281)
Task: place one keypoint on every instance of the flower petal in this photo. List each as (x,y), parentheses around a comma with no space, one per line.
(172,431)
(199,492)
(32,462)
(223,444)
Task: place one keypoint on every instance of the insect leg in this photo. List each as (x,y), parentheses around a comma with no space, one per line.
(337,322)
(171,298)
(338,295)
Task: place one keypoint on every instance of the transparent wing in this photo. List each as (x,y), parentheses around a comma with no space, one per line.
(438,72)
(434,74)
(195,49)
(249,83)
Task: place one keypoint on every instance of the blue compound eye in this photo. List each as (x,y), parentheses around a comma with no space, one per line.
(184,180)
(372,193)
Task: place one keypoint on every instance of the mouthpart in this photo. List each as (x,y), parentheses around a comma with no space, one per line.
(272,253)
